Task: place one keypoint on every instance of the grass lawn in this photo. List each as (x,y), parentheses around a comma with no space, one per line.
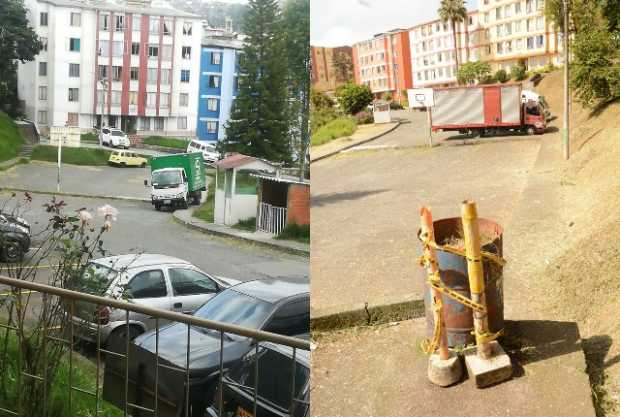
(300,233)
(343,126)
(74,156)
(205,211)
(165,142)
(89,137)
(246,224)
(11,140)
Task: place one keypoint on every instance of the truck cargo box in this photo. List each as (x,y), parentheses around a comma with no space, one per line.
(192,164)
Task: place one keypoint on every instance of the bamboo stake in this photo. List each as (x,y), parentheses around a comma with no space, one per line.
(471,234)
(426,220)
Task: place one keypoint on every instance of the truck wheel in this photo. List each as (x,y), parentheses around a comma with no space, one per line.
(184,204)
(157,207)
(530,130)
(475,133)
(12,251)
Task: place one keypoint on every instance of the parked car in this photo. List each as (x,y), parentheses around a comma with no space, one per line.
(127,159)
(115,138)
(274,385)
(208,150)
(14,237)
(275,305)
(148,279)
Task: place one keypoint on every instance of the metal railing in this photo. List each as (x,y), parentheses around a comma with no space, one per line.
(271,219)
(223,328)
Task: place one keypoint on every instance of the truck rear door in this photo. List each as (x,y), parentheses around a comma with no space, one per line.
(492,106)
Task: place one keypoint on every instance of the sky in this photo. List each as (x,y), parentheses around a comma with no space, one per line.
(344,22)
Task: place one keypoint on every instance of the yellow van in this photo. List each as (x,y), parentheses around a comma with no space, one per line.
(127,159)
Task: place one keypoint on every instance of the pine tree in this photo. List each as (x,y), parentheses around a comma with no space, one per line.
(259,122)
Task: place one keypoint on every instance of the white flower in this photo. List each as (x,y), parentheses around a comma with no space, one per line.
(107,225)
(84,216)
(108,212)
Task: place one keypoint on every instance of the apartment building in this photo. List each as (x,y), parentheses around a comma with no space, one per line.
(518,32)
(384,63)
(219,81)
(323,75)
(134,63)
(433,55)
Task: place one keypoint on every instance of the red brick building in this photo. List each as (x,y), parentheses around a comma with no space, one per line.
(323,74)
(282,200)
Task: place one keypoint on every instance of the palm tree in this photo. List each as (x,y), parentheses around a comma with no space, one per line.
(453,11)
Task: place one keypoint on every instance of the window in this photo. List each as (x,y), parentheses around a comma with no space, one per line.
(43,93)
(188,282)
(43,43)
(151,99)
(43,117)
(145,123)
(530,43)
(151,76)
(117,73)
(159,123)
(214,81)
(186,52)
(74,94)
(499,48)
(43,68)
(212,104)
(540,23)
(116,98)
(104,22)
(166,52)
(134,73)
(291,319)
(119,25)
(167,27)
(73,119)
(517,26)
(103,72)
(518,8)
(136,23)
(528,6)
(104,48)
(182,123)
(135,48)
(74,44)
(117,48)
(216,58)
(76,19)
(133,98)
(153,51)
(147,284)
(540,41)
(43,21)
(154,26)
(184,76)
(74,70)
(164,100)
(498,13)
(187,28)
(183,99)
(236,83)
(165,76)
(211,126)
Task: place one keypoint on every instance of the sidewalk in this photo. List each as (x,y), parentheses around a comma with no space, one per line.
(260,238)
(363,134)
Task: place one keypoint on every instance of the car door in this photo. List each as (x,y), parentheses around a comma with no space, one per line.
(133,159)
(148,288)
(291,318)
(190,288)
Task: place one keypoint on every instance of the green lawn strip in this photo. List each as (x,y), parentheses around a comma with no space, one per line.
(246,224)
(89,137)
(299,233)
(343,126)
(165,142)
(74,156)
(205,211)
(20,161)
(11,140)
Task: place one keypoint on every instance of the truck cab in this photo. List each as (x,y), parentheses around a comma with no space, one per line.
(169,187)
(534,118)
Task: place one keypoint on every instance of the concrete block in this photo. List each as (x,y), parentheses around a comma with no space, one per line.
(486,372)
(444,372)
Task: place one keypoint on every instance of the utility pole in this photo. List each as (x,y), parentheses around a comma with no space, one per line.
(103,89)
(566,136)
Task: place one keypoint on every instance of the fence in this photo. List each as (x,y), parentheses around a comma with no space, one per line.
(71,297)
(271,219)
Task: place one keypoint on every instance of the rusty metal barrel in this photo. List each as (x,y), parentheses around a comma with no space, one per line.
(453,272)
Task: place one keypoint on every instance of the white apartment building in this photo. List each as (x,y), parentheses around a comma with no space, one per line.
(433,60)
(518,32)
(136,62)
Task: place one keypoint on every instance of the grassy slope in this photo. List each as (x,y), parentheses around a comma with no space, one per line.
(206,210)
(75,156)
(10,138)
(165,142)
(343,126)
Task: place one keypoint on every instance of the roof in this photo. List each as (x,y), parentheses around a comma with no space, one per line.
(155,8)
(239,159)
(138,260)
(272,290)
(281,178)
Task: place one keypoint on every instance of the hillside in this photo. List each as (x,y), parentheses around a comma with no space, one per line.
(10,138)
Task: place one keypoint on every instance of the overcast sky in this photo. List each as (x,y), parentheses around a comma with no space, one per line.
(344,22)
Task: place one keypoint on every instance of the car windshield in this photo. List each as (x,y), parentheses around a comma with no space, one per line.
(105,130)
(232,307)
(166,178)
(95,279)
(117,133)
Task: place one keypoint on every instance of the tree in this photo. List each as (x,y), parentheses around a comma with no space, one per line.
(354,98)
(501,76)
(453,11)
(319,100)
(18,42)
(260,118)
(296,15)
(342,66)
(471,72)
(518,72)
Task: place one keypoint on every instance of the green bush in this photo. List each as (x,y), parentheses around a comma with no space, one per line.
(166,142)
(319,118)
(293,231)
(89,137)
(517,72)
(75,156)
(11,140)
(246,224)
(354,98)
(319,100)
(501,76)
(364,118)
(337,128)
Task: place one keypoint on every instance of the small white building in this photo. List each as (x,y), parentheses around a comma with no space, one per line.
(236,191)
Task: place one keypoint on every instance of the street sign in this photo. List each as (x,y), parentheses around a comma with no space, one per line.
(420,98)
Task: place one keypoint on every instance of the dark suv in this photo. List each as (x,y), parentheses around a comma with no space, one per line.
(275,305)
(14,237)
(273,398)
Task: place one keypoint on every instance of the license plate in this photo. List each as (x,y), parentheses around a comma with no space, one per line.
(166,201)
(241,412)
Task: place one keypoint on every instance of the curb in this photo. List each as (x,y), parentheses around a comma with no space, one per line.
(105,197)
(352,145)
(270,245)
(369,315)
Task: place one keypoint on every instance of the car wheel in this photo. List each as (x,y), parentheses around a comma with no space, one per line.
(12,251)
(123,165)
(143,165)
(121,332)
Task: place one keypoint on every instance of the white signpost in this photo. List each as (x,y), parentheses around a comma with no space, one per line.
(423,98)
